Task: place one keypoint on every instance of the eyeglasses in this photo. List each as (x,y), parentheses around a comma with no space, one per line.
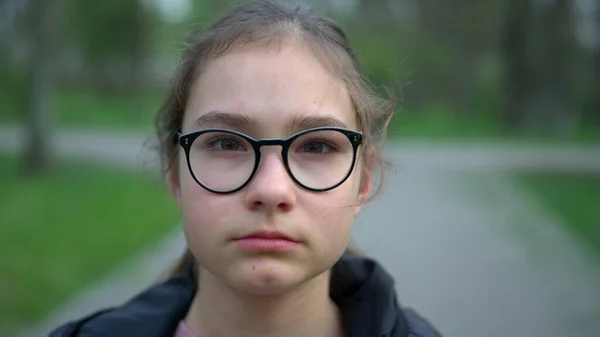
(225,161)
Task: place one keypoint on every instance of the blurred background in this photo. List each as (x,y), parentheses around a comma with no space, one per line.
(497,131)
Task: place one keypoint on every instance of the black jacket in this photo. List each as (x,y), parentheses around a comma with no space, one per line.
(363,290)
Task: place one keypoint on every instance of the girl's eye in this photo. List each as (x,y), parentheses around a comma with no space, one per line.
(226,144)
(317,148)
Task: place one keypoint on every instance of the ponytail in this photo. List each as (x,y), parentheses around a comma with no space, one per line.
(182,264)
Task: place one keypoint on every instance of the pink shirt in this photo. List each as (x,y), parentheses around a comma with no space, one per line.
(183,331)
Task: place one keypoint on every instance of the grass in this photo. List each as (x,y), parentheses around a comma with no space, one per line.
(126,111)
(63,231)
(74,108)
(439,124)
(575,198)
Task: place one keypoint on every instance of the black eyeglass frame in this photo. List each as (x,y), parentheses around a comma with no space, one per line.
(186,141)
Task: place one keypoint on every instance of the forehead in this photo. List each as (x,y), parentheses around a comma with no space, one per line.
(271,87)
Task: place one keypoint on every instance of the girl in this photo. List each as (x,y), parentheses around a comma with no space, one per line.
(269,140)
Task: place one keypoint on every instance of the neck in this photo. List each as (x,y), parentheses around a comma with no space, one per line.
(219,311)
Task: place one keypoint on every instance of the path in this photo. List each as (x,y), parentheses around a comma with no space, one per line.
(471,252)
(480,265)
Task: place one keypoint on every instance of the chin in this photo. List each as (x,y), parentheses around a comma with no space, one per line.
(267,276)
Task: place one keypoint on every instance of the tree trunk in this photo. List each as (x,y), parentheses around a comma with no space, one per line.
(515,56)
(38,150)
(466,54)
(593,113)
(554,61)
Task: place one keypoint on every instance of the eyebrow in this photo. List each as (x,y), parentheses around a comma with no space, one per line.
(300,122)
(241,122)
(224,119)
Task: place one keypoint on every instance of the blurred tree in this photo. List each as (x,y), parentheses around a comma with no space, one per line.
(114,38)
(219,7)
(380,56)
(38,152)
(451,53)
(593,111)
(457,37)
(552,104)
(515,51)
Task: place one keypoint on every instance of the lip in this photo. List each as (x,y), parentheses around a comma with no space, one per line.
(268,235)
(267,241)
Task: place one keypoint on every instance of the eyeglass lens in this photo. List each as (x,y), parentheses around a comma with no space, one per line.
(224,161)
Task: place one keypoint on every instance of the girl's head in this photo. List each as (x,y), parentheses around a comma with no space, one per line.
(268,70)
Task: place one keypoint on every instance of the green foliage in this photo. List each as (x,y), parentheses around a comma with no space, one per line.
(437,122)
(114,110)
(13,92)
(104,30)
(86,108)
(573,198)
(444,62)
(64,231)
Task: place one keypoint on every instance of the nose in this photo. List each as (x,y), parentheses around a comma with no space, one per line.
(271,188)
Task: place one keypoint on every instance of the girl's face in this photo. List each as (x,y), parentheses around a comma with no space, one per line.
(267,94)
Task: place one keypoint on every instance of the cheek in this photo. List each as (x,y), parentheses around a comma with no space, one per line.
(333,214)
(204,214)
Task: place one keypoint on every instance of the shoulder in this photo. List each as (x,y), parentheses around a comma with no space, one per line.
(367,297)
(417,325)
(154,312)
(77,327)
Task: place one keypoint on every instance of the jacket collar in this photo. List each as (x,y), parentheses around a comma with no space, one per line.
(366,296)
(362,289)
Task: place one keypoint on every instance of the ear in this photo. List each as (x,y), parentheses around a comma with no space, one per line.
(366,181)
(172,177)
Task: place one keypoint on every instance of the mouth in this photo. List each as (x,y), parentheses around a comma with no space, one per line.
(267,241)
